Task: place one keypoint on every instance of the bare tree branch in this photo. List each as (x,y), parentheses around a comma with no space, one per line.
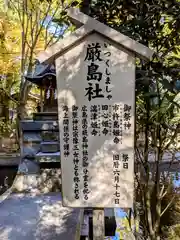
(168,206)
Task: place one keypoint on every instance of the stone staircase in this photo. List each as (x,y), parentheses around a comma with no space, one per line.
(40,152)
(41,138)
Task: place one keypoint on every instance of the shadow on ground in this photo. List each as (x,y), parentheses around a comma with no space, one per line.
(36,218)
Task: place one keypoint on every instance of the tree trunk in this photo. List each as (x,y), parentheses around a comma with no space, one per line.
(85,6)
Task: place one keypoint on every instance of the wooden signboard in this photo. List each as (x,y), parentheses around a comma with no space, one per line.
(95,68)
(96,86)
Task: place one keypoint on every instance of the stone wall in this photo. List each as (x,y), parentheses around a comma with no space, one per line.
(48,180)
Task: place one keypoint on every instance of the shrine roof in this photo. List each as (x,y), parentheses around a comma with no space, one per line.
(40,72)
(89,26)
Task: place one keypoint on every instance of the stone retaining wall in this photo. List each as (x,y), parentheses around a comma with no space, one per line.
(49,180)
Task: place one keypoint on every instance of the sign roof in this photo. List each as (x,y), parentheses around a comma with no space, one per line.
(90,25)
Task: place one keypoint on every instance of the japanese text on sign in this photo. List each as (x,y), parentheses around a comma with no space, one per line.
(98,84)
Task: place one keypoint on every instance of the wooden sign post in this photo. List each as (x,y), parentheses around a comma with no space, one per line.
(95,69)
(98,224)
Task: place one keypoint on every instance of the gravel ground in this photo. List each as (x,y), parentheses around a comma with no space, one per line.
(37,218)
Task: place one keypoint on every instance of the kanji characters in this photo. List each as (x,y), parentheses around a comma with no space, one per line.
(93,52)
(75,141)
(94,57)
(92,92)
(85,162)
(92,72)
(66,131)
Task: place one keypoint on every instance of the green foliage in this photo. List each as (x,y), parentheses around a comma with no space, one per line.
(25,30)
(174,232)
(6,128)
(155,24)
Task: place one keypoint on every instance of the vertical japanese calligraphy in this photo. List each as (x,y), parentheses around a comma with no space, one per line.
(116,172)
(98,85)
(106,119)
(75,136)
(121,124)
(119,161)
(94,114)
(116,123)
(107,73)
(94,76)
(127,116)
(125,159)
(85,162)
(65,131)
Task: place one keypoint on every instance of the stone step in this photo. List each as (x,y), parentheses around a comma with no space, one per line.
(50,147)
(30,125)
(50,165)
(38,137)
(30,151)
(50,108)
(48,157)
(28,167)
(32,137)
(48,136)
(41,116)
(31,148)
